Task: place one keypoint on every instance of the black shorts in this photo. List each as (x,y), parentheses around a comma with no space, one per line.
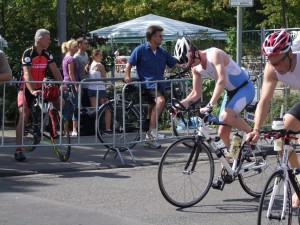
(295,111)
(26,100)
(150,94)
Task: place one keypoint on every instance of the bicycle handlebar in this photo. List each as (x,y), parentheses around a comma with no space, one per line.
(276,134)
(178,74)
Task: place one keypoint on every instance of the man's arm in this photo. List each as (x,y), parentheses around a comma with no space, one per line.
(197,89)
(55,71)
(27,77)
(269,84)
(127,78)
(218,62)
(5,71)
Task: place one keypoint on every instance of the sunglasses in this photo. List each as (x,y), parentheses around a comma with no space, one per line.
(279,61)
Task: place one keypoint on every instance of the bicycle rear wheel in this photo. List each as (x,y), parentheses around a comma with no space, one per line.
(60,139)
(276,183)
(185,174)
(259,165)
(115,137)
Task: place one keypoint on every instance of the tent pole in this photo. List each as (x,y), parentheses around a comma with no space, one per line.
(112,54)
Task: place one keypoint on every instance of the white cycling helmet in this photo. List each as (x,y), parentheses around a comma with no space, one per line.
(184,51)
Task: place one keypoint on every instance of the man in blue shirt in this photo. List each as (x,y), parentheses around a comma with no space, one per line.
(151,60)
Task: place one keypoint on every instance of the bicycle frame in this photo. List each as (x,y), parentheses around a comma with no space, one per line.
(233,170)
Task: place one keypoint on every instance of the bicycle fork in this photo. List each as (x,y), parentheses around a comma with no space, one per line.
(272,197)
(194,155)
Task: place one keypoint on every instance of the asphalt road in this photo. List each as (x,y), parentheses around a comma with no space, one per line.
(126,196)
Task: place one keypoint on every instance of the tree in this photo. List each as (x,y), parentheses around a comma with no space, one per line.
(280,13)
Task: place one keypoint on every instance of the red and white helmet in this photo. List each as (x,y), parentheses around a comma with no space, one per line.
(184,51)
(277,43)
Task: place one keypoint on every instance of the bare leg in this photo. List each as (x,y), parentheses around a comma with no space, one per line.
(229,117)
(292,123)
(19,126)
(152,111)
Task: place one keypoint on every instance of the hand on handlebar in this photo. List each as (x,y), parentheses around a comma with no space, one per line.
(127,80)
(253,136)
(37,93)
(205,109)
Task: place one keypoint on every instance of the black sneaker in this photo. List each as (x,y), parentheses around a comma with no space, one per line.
(19,156)
(218,184)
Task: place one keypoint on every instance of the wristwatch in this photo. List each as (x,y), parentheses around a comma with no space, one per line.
(257,130)
(209,105)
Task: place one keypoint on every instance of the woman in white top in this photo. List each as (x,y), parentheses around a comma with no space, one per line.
(97,71)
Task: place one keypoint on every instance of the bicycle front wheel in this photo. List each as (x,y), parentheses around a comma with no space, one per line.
(61,141)
(258,165)
(272,209)
(185,174)
(110,125)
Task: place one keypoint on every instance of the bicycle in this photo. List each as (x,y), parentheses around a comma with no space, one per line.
(44,120)
(186,169)
(135,118)
(275,207)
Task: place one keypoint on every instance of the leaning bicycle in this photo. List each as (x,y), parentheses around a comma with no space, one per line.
(130,118)
(276,207)
(47,128)
(186,169)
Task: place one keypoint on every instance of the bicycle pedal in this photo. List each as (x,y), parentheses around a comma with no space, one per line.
(218,185)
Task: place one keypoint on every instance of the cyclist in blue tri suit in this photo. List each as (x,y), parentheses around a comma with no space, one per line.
(215,64)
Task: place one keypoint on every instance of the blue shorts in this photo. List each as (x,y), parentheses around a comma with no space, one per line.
(239,100)
(70,111)
(101,93)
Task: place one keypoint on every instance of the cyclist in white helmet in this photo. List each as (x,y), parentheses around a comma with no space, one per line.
(283,65)
(214,63)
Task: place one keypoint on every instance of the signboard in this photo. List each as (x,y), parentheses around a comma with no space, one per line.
(242,3)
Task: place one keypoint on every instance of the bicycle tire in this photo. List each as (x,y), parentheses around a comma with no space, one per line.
(132,125)
(182,187)
(61,140)
(277,205)
(261,164)
(32,132)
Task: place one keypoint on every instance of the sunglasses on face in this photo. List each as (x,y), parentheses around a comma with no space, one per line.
(279,61)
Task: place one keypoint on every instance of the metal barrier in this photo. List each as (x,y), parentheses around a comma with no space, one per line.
(113,84)
(116,88)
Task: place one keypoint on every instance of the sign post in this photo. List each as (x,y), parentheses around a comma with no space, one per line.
(239,4)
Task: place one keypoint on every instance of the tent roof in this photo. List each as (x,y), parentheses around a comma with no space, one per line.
(135,30)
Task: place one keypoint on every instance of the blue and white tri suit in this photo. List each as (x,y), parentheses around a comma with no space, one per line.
(240,90)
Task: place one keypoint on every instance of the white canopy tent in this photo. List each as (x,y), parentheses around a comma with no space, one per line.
(134,31)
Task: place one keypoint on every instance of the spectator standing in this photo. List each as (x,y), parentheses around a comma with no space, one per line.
(35,60)
(82,58)
(151,60)
(97,71)
(5,71)
(5,75)
(71,74)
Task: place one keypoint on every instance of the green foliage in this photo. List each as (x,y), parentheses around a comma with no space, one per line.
(278,101)
(231,42)
(19,20)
